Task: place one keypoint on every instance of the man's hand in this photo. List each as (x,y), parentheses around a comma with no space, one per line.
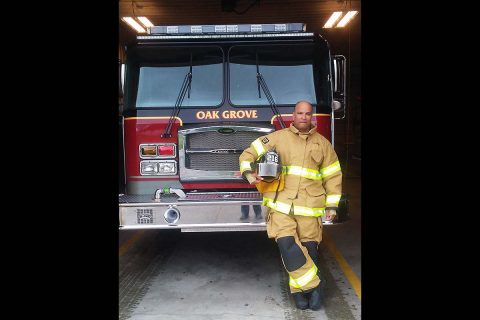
(330,214)
(253,178)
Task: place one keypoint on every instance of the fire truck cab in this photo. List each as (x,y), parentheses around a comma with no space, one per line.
(196,96)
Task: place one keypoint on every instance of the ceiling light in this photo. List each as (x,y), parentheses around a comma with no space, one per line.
(134,24)
(346,19)
(333,18)
(145,22)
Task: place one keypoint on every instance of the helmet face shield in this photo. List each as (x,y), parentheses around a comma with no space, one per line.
(268,166)
(268,171)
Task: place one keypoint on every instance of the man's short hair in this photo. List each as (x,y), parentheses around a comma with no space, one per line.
(304,101)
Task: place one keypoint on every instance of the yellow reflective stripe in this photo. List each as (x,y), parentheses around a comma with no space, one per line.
(277,206)
(309,212)
(331,169)
(303,172)
(245,165)
(333,198)
(305,279)
(297,210)
(258,146)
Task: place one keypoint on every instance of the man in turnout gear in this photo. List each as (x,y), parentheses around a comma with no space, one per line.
(312,188)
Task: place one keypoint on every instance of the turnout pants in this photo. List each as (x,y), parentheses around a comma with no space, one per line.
(297,238)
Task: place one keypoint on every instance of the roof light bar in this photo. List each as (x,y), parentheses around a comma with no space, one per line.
(228,29)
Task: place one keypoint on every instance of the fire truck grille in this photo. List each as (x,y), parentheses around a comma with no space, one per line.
(213,162)
(213,140)
(210,153)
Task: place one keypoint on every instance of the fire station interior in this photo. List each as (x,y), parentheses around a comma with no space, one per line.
(167,274)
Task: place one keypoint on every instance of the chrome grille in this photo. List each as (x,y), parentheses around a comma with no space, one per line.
(212,139)
(207,155)
(213,161)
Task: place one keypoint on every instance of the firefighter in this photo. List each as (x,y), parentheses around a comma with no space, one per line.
(312,188)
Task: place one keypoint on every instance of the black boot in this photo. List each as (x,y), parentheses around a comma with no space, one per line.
(301,300)
(316,297)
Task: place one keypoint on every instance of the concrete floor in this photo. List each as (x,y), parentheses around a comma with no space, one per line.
(173,275)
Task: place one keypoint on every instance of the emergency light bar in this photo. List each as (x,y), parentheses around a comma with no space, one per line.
(225,31)
(228,29)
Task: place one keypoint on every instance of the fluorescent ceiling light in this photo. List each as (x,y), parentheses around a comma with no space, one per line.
(134,24)
(346,19)
(145,22)
(333,18)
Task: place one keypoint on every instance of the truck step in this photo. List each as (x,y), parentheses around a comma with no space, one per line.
(215,196)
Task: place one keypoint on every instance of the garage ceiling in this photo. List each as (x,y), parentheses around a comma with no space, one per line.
(314,13)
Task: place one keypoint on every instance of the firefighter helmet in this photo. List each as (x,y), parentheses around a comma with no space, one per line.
(268,166)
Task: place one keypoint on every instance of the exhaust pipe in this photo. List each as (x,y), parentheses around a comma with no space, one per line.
(171,215)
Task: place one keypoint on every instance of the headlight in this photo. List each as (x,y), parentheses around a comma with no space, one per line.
(148,168)
(167,167)
(158,168)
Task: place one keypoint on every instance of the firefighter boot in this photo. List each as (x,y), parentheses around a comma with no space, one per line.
(301,300)
(245,210)
(316,298)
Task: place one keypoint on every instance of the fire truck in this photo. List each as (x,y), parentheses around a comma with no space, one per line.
(196,96)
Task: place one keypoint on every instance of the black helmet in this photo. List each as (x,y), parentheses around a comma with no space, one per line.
(268,166)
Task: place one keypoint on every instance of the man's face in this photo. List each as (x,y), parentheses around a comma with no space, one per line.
(302,116)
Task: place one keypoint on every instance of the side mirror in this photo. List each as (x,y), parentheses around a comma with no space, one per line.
(339,88)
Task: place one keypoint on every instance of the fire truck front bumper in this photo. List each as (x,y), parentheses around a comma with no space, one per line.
(196,213)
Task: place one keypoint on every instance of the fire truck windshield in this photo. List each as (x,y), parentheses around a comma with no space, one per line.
(159,73)
(288,70)
(292,72)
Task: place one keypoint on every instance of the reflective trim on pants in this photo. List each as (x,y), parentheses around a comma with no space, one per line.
(305,279)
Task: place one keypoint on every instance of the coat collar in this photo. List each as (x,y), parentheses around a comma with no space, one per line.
(311,131)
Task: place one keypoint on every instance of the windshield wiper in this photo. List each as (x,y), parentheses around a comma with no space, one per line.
(261,83)
(186,87)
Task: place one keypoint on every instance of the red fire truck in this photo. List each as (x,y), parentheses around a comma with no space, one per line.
(194,97)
